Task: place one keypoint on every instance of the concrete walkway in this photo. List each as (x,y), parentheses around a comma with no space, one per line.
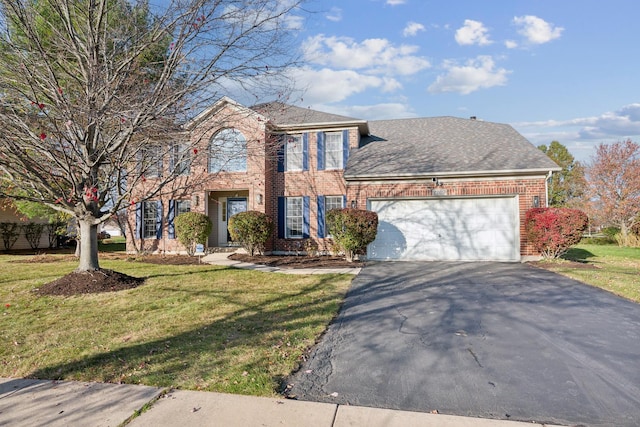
(220,258)
(60,403)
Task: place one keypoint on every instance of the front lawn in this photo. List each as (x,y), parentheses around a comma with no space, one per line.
(613,268)
(198,327)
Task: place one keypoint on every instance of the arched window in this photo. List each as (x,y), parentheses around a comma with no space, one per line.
(228,152)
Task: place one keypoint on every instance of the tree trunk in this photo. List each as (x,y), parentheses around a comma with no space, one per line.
(88,246)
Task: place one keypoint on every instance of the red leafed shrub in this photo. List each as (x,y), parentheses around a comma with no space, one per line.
(553,231)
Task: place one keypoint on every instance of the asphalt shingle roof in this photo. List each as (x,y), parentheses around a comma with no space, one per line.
(442,145)
(289,115)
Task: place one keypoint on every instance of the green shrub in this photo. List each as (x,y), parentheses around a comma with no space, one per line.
(251,229)
(10,231)
(33,232)
(595,240)
(192,228)
(611,232)
(352,229)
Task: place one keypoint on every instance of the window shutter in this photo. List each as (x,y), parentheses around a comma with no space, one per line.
(281,145)
(320,138)
(344,201)
(139,220)
(171,229)
(345,148)
(321,223)
(159,220)
(281,217)
(173,153)
(305,217)
(305,151)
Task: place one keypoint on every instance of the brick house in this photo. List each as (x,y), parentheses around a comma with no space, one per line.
(444,188)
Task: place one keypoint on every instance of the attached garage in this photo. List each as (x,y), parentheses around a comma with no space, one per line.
(451,229)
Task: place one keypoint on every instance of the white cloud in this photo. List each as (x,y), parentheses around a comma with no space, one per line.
(391,110)
(375,56)
(473,32)
(326,86)
(476,74)
(581,134)
(412,29)
(511,44)
(536,30)
(395,2)
(335,14)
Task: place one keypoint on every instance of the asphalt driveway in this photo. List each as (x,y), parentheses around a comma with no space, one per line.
(490,340)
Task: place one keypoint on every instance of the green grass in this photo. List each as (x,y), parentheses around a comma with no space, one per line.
(617,269)
(197,327)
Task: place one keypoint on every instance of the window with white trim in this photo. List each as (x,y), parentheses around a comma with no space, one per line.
(149,219)
(294,151)
(183,206)
(333,147)
(331,202)
(228,152)
(152,161)
(181,159)
(294,218)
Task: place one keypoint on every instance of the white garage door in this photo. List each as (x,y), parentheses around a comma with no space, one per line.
(479,229)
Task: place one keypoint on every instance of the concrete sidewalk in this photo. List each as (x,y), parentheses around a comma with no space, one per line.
(63,403)
(220,258)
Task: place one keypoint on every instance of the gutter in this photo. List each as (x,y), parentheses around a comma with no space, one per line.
(459,174)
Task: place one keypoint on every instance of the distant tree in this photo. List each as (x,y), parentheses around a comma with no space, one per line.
(614,185)
(93,94)
(566,187)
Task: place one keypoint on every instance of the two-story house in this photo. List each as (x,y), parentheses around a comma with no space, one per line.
(444,188)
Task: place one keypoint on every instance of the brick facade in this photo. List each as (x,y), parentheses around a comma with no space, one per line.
(262,184)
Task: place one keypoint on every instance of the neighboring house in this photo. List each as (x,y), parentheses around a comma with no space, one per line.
(8,214)
(444,188)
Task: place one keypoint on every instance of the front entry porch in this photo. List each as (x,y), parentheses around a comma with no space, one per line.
(221,206)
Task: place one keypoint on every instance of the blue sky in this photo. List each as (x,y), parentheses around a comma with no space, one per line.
(555,70)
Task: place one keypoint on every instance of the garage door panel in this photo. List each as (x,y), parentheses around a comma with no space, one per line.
(446,229)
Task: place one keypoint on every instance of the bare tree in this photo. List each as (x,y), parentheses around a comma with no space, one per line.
(614,185)
(93,94)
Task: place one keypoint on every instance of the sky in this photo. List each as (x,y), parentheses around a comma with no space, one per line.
(564,70)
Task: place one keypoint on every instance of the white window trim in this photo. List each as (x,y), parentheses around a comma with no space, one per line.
(327,209)
(149,232)
(327,161)
(287,159)
(287,234)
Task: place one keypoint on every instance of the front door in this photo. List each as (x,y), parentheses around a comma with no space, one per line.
(228,208)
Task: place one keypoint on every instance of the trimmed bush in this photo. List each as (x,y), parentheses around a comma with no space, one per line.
(33,233)
(10,231)
(251,229)
(192,228)
(552,231)
(352,229)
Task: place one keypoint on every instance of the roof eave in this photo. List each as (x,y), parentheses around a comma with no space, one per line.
(363,126)
(458,174)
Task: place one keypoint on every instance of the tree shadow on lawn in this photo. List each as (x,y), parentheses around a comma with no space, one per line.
(578,255)
(247,347)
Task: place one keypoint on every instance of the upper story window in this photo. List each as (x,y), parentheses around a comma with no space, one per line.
(151,161)
(294,152)
(228,152)
(333,149)
(180,159)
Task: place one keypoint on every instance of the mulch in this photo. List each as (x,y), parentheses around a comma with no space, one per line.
(296,261)
(90,282)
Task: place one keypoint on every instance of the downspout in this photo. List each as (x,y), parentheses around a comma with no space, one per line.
(546,189)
